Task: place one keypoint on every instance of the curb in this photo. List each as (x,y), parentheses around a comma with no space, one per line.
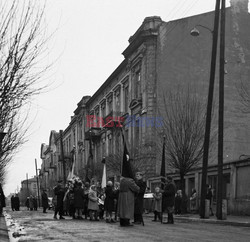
(210,221)
(4,236)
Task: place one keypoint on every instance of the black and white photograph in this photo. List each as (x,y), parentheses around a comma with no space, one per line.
(124,120)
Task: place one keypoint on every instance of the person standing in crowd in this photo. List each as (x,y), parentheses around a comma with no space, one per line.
(86,200)
(59,192)
(27,203)
(101,199)
(178,202)
(35,203)
(31,203)
(93,203)
(168,197)
(157,205)
(126,201)
(2,200)
(70,198)
(193,200)
(45,201)
(116,196)
(16,202)
(139,198)
(209,196)
(109,202)
(12,202)
(148,202)
(79,199)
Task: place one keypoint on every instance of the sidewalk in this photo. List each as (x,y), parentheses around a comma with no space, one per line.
(4,237)
(243,221)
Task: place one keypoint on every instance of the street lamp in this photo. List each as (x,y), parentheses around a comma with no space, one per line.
(195,32)
(209,107)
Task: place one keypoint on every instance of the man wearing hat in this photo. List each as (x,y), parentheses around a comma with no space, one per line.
(168,197)
(59,192)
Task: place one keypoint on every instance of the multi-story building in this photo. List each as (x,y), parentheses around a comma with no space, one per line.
(163,60)
(28,187)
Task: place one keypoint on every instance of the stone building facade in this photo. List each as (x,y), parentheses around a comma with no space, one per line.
(161,58)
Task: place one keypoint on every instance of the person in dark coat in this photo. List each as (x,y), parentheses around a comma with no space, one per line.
(209,196)
(35,203)
(126,201)
(109,204)
(45,201)
(59,192)
(116,196)
(27,203)
(12,202)
(139,198)
(79,199)
(168,197)
(16,203)
(2,199)
(86,200)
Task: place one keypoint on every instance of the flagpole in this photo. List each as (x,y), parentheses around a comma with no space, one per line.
(163,172)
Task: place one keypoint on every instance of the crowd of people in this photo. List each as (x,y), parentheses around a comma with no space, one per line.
(15,202)
(123,202)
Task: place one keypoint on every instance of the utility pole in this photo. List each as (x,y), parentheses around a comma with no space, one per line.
(62,157)
(27,183)
(221,112)
(38,194)
(209,110)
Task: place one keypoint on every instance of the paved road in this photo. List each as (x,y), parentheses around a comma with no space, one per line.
(42,227)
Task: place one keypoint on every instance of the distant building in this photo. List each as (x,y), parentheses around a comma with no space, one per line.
(28,187)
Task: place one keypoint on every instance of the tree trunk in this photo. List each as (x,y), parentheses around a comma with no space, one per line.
(184,196)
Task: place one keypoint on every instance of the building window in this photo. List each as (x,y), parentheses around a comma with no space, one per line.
(137,84)
(110,104)
(117,100)
(126,99)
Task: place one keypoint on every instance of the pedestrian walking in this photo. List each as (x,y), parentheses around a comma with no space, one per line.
(59,192)
(109,204)
(45,201)
(126,201)
(168,197)
(157,204)
(138,211)
(93,203)
(12,203)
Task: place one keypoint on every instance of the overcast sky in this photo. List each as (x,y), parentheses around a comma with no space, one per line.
(89,37)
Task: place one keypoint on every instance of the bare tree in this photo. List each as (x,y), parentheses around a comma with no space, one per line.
(184,128)
(22,44)
(244,93)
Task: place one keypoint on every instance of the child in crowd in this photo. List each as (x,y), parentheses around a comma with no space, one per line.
(93,203)
(157,207)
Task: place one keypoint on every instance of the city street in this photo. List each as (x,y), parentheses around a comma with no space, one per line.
(36,226)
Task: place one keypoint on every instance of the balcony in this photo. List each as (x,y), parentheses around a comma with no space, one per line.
(93,134)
